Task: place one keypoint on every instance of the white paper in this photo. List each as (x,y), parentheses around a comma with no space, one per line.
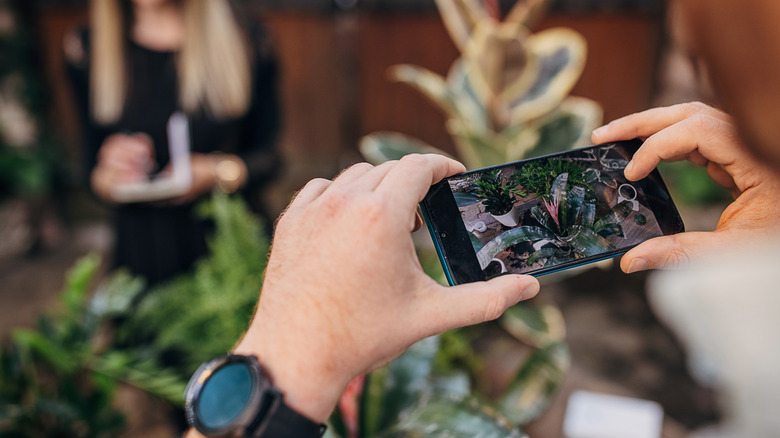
(592,415)
(174,183)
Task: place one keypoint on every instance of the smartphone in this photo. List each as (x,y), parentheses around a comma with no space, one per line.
(546,214)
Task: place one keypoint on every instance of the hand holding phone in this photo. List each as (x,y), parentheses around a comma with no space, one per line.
(546,214)
(706,137)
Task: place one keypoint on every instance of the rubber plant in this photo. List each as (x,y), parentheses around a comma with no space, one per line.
(427,392)
(507,96)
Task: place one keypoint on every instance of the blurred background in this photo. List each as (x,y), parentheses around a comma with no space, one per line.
(333,57)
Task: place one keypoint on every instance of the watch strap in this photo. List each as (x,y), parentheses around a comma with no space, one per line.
(281,421)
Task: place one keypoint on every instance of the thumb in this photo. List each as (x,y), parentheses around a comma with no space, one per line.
(477,302)
(671,252)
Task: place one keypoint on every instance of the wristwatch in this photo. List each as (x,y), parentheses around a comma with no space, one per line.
(231,396)
(228,173)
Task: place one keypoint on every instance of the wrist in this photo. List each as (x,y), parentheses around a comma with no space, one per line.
(101,186)
(229,172)
(310,387)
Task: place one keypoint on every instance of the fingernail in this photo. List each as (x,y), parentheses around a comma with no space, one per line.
(598,132)
(636,265)
(629,167)
(530,291)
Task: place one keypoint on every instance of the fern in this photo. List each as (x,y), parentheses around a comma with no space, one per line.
(203,313)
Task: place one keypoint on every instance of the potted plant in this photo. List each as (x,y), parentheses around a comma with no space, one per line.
(507,96)
(498,198)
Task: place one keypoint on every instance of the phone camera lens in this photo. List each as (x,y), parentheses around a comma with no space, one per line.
(443,235)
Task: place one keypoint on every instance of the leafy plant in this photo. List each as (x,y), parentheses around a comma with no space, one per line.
(421,394)
(567,222)
(537,177)
(497,196)
(59,380)
(200,315)
(506,97)
(49,379)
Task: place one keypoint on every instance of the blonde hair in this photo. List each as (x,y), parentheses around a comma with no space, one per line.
(213,65)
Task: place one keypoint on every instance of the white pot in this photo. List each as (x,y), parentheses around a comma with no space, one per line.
(510,219)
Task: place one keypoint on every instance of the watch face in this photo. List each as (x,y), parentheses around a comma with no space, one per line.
(225,396)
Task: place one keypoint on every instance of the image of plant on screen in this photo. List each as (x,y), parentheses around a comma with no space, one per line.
(566,209)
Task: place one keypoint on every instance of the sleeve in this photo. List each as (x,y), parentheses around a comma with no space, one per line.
(260,127)
(77,68)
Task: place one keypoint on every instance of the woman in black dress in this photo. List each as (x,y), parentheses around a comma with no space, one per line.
(138,63)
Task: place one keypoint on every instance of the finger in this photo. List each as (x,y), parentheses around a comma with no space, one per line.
(671,252)
(707,136)
(372,179)
(311,191)
(418,221)
(144,139)
(474,303)
(718,174)
(407,182)
(350,174)
(647,123)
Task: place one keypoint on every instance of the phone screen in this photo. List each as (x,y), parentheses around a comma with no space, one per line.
(545,214)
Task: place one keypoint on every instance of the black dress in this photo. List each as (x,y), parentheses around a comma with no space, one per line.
(154,240)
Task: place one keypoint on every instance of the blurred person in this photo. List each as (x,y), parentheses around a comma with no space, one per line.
(139,62)
(329,311)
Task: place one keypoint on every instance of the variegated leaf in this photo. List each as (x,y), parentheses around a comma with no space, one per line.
(498,60)
(430,84)
(526,11)
(386,146)
(559,58)
(444,415)
(460,17)
(508,238)
(535,384)
(537,326)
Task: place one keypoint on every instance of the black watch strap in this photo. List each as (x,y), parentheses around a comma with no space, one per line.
(280,421)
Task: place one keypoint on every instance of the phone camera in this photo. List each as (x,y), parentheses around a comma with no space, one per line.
(443,235)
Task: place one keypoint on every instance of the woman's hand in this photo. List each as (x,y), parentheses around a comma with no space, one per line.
(122,159)
(205,175)
(706,137)
(344,292)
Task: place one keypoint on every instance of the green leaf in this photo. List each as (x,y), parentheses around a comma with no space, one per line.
(448,416)
(77,282)
(430,84)
(587,242)
(509,238)
(559,55)
(574,205)
(62,358)
(146,375)
(387,146)
(535,384)
(471,109)
(616,215)
(537,326)
(549,255)
(464,199)
(406,379)
(475,242)
(460,17)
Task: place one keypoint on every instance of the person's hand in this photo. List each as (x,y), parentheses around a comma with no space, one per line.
(122,159)
(706,137)
(344,292)
(204,175)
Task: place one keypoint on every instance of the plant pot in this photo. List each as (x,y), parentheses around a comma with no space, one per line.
(510,219)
